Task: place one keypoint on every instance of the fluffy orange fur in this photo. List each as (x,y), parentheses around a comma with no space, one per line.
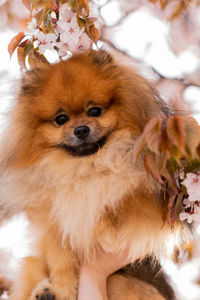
(76,199)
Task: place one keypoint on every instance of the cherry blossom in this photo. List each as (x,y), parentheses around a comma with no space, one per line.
(191,211)
(72,38)
(66,12)
(65,47)
(70,41)
(45,41)
(65,18)
(53,15)
(192,183)
(193,215)
(32,25)
(84,42)
(71,31)
(62,48)
(59,28)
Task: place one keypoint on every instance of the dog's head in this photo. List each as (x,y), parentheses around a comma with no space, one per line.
(79,104)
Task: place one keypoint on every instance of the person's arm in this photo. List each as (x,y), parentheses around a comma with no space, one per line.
(93,277)
(91,285)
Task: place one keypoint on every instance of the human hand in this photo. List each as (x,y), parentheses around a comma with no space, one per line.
(93,276)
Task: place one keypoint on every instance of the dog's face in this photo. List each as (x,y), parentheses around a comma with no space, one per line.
(73,106)
(78,105)
(76,109)
(85,133)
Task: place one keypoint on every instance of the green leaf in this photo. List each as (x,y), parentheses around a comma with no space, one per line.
(73,4)
(183,189)
(193,166)
(81,22)
(175,153)
(39,17)
(179,205)
(48,24)
(172,165)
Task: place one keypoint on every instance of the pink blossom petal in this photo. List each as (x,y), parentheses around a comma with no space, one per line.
(62,24)
(69,37)
(42,48)
(84,42)
(51,37)
(62,48)
(183,216)
(191,218)
(74,22)
(192,183)
(73,47)
(186,202)
(194,196)
(32,25)
(40,36)
(65,12)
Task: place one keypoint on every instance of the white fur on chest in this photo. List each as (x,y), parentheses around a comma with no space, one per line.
(77,189)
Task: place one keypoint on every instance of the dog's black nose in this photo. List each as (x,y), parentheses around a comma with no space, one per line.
(81,132)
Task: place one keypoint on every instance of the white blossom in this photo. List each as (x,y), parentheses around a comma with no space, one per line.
(68,37)
(71,31)
(65,17)
(32,26)
(186,216)
(191,211)
(45,41)
(84,42)
(65,47)
(193,215)
(53,15)
(192,183)
(66,12)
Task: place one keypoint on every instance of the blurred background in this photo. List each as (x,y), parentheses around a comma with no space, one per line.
(161,38)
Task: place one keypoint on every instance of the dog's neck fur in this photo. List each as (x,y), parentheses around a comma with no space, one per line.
(77,190)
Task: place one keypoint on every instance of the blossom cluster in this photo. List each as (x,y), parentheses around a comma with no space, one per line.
(67,38)
(191,204)
(66,28)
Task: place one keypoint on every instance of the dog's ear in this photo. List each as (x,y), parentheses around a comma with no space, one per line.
(31,81)
(100,58)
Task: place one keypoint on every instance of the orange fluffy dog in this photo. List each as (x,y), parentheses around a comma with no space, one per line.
(67,161)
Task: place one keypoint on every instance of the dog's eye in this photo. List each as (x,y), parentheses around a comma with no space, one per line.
(94,112)
(61,119)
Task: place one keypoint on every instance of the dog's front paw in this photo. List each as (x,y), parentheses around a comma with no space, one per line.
(43,291)
(47,294)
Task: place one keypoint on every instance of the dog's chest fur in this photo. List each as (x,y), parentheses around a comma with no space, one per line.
(77,191)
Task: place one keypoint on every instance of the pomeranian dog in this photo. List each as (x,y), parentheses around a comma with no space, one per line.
(67,161)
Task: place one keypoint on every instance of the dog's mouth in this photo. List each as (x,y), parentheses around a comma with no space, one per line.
(85,148)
